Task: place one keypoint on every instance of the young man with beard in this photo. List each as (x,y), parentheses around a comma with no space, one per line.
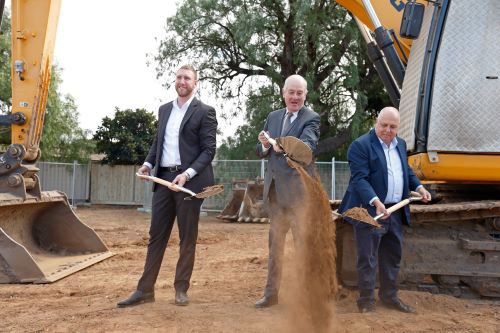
(182,152)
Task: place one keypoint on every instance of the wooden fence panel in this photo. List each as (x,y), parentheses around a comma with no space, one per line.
(115,185)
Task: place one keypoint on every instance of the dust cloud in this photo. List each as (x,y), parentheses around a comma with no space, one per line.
(314,283)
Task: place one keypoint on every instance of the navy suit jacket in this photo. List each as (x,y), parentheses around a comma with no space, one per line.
(369,174)
(197,141)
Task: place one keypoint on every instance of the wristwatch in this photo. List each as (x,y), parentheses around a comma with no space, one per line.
(187,175)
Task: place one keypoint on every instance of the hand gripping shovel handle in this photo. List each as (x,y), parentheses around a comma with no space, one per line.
(399,205)
(271,140)
(166,183)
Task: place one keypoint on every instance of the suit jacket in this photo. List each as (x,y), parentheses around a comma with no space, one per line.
(369,175)
(197,142)
(286,179)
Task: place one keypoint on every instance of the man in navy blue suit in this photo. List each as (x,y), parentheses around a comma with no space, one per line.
(380,177)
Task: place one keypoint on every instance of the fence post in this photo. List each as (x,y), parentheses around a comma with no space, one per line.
(262,167)
(333,178)
(73,185)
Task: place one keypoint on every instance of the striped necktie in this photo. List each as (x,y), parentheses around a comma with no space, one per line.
(287,123)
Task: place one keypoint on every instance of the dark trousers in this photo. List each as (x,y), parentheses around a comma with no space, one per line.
(167,205)
(281,220)
(382,246)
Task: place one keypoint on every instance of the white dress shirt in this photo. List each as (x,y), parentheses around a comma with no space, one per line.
(395,181)
(171,155)
(292,118)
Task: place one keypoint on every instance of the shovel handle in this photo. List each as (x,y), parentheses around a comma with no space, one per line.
(399,205)
(271,140)
(166,183)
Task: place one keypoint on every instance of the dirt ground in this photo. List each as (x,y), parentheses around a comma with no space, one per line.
(229,276)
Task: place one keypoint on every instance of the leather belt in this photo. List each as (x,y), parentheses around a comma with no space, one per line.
(389,205)
(175,168)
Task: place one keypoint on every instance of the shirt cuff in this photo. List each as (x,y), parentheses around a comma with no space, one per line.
(149,165)
(372,200)
(191,173)
(419,186)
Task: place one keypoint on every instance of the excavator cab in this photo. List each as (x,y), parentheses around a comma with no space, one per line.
(41,239)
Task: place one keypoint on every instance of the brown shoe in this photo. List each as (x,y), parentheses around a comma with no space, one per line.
(138,297)
(181,298)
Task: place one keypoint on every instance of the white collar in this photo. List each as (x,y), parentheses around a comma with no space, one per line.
(394,143)
(185,105)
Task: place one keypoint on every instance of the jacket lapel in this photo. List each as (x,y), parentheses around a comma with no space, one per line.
(189,113)
(377,147)
(402,156)
(276,130)
(164,121)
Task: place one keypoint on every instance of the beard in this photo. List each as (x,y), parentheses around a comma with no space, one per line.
(183,91)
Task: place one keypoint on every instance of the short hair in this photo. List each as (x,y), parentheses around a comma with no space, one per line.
(295,77)
(190,67)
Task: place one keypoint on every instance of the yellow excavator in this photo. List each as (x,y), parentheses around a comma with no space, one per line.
(41,239)
(439,62)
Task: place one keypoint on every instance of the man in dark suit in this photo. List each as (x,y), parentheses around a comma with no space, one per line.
(380,177)
(182,152)
(282,184)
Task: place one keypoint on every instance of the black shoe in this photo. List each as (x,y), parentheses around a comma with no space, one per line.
(397,304)
(181,298)
(366,307)
(138,297)
(266,301)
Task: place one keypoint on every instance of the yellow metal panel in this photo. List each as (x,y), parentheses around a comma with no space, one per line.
(34,27)
(457,168)
(388,12)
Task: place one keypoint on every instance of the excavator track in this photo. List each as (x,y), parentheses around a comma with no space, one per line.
(451,248)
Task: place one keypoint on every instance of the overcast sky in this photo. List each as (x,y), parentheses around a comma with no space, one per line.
(102,47)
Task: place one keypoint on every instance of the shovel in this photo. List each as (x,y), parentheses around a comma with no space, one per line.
(362,215)
(207,191)
(293,149)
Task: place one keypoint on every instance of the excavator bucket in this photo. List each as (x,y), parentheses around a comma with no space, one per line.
(230,212)
(246,204)
(252,207)
(42,240)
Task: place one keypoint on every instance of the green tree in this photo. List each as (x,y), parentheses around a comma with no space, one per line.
(126,138)
(246,49)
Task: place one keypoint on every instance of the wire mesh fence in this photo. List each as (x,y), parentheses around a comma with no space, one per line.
(70,178)
(74,180)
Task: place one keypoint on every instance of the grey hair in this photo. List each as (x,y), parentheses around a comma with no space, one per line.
(295,77)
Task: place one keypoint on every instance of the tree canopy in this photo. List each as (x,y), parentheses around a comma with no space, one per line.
(126,138)
(247,48)
(62,139)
